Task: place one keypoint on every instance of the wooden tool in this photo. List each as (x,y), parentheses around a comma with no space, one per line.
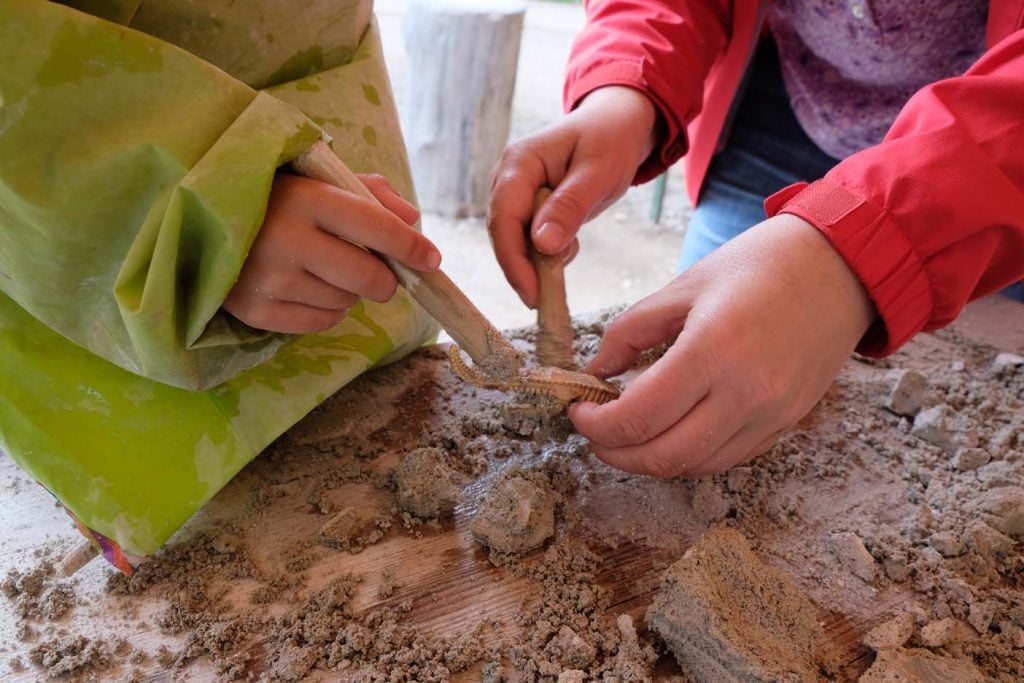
(77,557)
(435,292)
(555,335)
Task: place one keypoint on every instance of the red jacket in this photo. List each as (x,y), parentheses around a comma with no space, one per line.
(928,219)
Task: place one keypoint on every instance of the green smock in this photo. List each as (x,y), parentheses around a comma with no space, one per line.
(138,144)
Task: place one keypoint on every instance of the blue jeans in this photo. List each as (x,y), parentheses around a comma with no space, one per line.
(766,151)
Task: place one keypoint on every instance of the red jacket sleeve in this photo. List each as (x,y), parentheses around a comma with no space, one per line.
(663,48)
(932,217)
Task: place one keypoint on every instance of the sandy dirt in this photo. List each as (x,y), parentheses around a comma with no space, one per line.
(894,509)
(864,525)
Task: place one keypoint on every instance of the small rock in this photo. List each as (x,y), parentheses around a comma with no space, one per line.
(925,518)
(726,615)
(571,649)
(572,676)
(908,393)
(493,672)
(981,614)
(849,549)
(897,570)
(1007,362)
(933,425)
(958,366)
(1013,634)
(998,473)
(426,486)
(708,502)
(1003,440)
(947,543)
(1003,509)
(930,557)
(896,666)
(515,516)
(891,633)
(967,459)
(343,529)
(738,479)
(984,540)
(940,632)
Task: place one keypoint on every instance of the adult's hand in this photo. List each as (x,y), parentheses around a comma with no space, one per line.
(761,328)
(589,159)
(307,268)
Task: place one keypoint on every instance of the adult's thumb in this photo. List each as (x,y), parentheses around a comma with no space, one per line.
(653,320)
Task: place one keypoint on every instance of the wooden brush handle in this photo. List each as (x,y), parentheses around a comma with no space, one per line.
(435,291)
(554,326)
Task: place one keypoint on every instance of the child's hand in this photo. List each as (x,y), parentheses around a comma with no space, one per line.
(304,270)
(589,158)
(764,325)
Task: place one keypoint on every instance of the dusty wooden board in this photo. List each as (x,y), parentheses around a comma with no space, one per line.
(447,576)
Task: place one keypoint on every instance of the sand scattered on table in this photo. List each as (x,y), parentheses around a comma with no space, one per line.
(427,484)
(902,526)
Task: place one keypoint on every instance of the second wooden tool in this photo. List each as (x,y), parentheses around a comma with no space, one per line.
(493,354)
(555,335)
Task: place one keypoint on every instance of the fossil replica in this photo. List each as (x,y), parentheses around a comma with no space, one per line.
(557,384)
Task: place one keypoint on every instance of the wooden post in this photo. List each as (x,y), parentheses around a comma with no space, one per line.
(460,73)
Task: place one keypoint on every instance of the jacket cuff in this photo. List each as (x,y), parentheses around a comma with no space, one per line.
(875,249)
(671,145)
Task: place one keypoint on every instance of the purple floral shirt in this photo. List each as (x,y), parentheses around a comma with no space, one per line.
(850,65)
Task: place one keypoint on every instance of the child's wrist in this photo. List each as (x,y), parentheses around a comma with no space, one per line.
(631,106)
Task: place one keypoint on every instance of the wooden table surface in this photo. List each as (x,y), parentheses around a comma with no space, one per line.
(447,576)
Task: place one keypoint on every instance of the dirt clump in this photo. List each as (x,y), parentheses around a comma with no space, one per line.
(426,484)
(908,393)
(67,653)
(36,596)
(724,614)
(569,627)
(324,633)
(515,516)
(352,529)
(916,531)
(849,549)
(920,666)
(891,633)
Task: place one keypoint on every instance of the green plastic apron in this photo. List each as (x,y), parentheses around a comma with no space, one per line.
(138,143)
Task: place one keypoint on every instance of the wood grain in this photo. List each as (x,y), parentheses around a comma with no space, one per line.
(452,585)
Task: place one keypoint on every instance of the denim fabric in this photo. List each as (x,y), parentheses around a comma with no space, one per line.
(767,150)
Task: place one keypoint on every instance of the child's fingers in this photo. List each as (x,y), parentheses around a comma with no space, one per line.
(291,285)
(572,203)
(508,238)
(348,267)
(361,221)
(389,197)
(514,184)
(305,288)
(283,316)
